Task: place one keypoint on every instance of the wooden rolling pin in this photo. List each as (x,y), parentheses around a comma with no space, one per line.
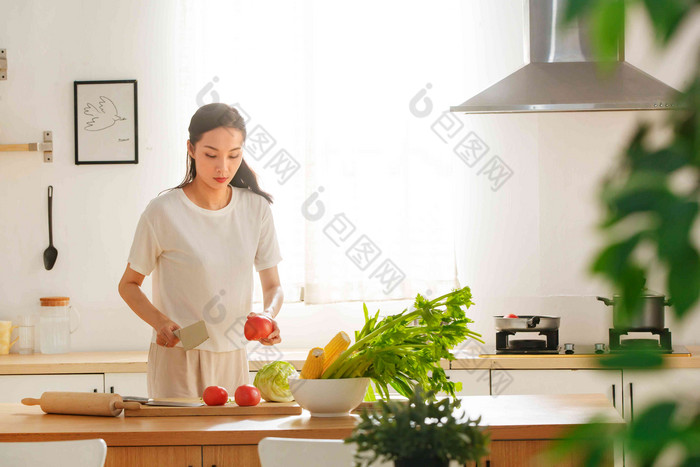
(82,403)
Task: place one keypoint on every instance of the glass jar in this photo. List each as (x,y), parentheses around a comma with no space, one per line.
(55,324)
(25,331)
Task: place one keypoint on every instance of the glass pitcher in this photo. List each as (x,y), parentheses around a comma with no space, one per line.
(55,324)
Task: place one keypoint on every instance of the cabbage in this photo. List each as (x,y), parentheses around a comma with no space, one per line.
(272,382)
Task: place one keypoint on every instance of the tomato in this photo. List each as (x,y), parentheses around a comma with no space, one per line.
(247,394)
(511,315)
(257,327)
(215,395)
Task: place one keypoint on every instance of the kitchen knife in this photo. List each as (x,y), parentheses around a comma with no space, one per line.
(192,335)
(160,402)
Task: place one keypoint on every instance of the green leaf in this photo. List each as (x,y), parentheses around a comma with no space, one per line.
(666,16)
(608,24)
(578,9)
(677,218)
(684,282)
(613,260)
(591,442)
(651,431)
(642,191)
(633,359)
(666,160)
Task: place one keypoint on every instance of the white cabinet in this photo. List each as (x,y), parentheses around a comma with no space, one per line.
(14,388)
(608,382)
(642,388)
(474,382)
(126,384)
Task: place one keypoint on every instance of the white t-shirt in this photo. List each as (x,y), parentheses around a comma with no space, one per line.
(203,260)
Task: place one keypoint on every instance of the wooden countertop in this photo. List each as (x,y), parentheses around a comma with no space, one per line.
(135,362)
(559,361)
(74,362)
(508,418)
(119,362)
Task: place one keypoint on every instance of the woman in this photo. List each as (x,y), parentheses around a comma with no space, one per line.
(201,240)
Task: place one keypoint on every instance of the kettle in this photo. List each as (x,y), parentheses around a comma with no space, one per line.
(55,324)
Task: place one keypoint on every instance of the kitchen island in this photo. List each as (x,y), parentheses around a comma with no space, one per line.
(521,427)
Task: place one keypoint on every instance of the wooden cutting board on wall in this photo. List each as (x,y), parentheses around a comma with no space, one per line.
(263,408)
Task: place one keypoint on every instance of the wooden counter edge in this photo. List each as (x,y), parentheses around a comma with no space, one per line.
(197,438)
(574,362)
(180,438)
(135,362)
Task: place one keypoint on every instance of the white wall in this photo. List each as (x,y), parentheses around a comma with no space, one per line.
(95,208)
(523,248)
(527,248)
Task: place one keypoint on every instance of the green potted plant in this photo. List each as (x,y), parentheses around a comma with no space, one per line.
(420,431)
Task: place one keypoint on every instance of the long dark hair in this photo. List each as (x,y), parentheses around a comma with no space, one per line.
(212,116)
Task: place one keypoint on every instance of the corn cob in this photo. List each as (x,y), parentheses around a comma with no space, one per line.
(334,348)
(313,366)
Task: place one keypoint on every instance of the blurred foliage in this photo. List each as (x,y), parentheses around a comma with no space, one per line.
(651,202)
(421,429)
(664,434)
(645,207)
(639,359)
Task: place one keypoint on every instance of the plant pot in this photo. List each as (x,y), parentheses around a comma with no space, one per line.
(421,462)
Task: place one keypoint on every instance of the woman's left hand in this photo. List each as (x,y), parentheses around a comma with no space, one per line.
(274,337)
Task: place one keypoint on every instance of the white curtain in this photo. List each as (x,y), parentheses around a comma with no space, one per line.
(346,130)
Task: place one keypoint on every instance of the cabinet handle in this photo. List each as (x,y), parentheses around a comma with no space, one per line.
(111,389)
(94,390)
(631,403)
(613,395)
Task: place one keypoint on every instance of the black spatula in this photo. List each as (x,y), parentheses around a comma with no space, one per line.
(51,253)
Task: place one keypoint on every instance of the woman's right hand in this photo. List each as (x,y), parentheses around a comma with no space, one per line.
(164,333)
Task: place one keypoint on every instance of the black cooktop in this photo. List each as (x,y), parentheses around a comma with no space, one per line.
(579,349)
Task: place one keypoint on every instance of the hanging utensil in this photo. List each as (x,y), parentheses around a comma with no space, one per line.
(50,254)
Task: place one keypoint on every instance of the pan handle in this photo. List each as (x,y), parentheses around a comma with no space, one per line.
(607,301)
(532,322)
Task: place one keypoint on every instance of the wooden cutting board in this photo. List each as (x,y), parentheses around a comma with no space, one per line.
(263,408)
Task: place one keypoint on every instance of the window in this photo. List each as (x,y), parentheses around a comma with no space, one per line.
(364,205)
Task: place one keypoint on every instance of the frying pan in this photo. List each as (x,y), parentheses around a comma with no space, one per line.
(527,323)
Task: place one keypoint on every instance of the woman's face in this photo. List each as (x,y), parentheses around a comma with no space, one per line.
(217,156)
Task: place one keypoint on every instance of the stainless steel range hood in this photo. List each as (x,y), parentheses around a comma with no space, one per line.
(563,75)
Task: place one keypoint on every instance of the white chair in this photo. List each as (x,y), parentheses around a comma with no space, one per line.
(291,452)
(81,453)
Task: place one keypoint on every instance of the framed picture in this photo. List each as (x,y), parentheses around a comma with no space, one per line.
(106,122)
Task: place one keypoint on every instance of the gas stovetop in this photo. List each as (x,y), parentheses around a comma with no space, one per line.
(572,350)
(546,342)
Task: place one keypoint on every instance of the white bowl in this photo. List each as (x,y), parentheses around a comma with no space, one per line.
(328,397)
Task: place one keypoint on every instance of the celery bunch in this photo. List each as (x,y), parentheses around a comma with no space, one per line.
(394,352)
